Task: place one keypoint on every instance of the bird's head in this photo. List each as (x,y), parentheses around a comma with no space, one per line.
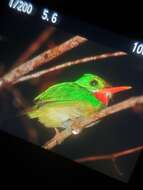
(102,90)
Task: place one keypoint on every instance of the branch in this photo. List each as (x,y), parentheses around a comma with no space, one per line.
(112,156)
(41,59)
(69,64)
(35,45)
(57,139)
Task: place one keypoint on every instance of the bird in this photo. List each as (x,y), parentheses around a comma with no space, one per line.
(60,105)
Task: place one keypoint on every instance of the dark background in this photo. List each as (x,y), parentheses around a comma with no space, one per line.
(32,159)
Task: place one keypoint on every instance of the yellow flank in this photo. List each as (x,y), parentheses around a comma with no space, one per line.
(55,115)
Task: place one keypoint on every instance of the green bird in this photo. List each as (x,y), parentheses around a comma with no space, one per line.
(61,104)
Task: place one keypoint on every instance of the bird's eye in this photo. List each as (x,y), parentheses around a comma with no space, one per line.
(93,83)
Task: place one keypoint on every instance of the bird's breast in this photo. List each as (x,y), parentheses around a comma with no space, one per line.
(57,114)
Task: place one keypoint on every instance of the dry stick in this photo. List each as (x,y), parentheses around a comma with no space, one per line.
(46,34)
(39,60)
(116,167)
(69,64)
(93,119)
(110,156)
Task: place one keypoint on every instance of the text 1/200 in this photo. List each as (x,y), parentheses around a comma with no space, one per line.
(21,6)
(138,48)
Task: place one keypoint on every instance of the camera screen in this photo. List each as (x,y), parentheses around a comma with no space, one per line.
(63,91)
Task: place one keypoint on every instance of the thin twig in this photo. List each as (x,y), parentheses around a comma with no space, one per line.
(93,119)
(45,35)
(111,156)
(69,64)
(41,59)
(116,167)
(57,139)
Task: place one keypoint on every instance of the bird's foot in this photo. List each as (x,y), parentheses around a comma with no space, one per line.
(76,131)
(72,126)
(76,127)
(56,131)
(58,136)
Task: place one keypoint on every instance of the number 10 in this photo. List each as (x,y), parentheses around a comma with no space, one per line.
(138,48)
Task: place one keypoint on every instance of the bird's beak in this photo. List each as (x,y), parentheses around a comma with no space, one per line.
(115,90)
(105,94)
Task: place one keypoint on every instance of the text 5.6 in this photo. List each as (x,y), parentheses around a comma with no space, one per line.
(49,16)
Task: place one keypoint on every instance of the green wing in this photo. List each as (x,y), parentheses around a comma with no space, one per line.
(61,92)
(68,91)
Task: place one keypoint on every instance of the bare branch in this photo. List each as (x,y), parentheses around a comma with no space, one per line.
(46,34)
(41,59)
(57,139)
(131,102)
(69,64)
(112,156)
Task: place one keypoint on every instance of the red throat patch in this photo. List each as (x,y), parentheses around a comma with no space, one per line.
(103,97)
